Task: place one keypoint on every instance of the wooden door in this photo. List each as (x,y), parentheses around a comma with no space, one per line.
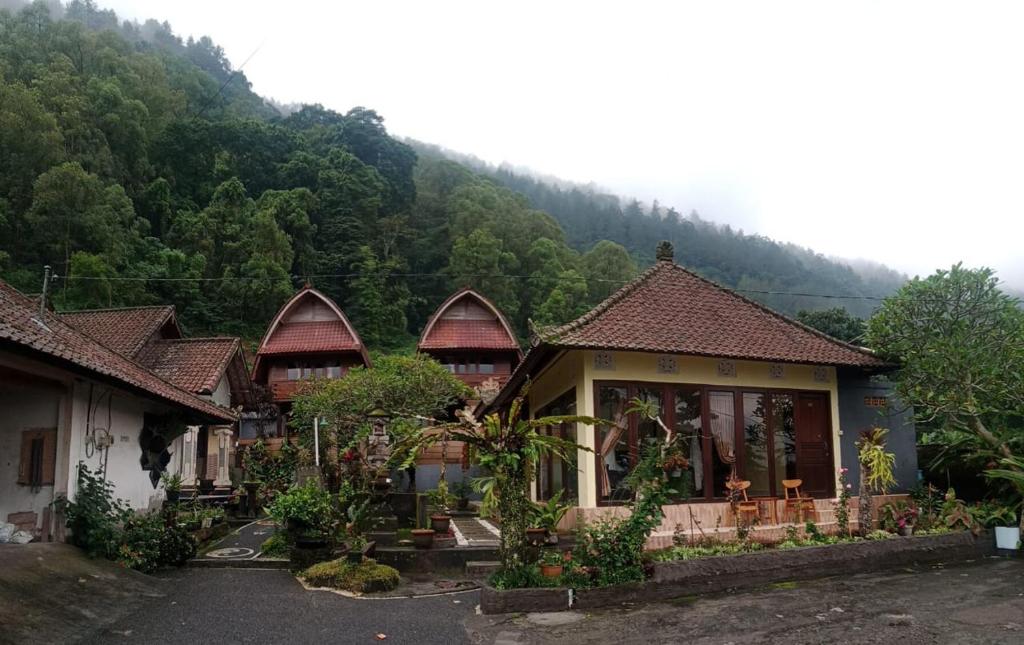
(814,463)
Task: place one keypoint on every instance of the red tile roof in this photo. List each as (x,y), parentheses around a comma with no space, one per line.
(669,309)
(125,330)
(443,331)
(312,336)
(193,364)
(58,341)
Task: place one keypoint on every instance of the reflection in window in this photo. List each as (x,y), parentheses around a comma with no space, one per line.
(688,482)
(722,424)
(614,445)
(556,474)
(647,429)
(785,438)
(755,445)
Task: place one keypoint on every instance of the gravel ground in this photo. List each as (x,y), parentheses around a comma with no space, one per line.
(981,602)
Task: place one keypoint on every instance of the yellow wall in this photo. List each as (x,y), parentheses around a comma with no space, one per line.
(575,368)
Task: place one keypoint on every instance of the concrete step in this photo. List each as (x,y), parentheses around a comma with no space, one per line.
(482,568)
(383,538)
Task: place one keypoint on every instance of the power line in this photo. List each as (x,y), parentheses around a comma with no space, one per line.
(499,276)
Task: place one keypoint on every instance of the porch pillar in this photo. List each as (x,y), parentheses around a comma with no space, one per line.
(189,443)
(223,480)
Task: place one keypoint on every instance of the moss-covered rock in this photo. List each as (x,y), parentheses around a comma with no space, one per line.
(365,577)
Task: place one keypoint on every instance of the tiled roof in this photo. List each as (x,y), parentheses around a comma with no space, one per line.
(468,334)
(444,331)
(124,330)
(194,364)
(672,310)
(60,342)
(312,336)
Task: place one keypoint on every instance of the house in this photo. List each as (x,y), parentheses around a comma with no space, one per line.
(470,336)
(753,393)
(68,399)
(309,337)
(211,368)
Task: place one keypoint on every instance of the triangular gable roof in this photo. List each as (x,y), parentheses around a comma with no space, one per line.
(672,310)
(443,332)
(125,330)
(310,337)
(196,365)
(52,337)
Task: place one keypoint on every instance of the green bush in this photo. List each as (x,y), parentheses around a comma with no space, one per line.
(94,517)
(365,577)
(309,507)
(148,542)
(879,535)
(695,552)
(277,546)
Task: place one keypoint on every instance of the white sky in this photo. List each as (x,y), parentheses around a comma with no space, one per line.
(892,131)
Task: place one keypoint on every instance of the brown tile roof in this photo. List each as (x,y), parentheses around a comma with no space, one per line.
(194,364)
(125,330)
(669,309)
(446,332)
(60,342)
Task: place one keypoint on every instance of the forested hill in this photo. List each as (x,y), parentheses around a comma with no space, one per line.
(753,263)
(144,170)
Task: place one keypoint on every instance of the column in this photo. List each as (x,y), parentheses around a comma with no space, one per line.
(224,436)
(188,457)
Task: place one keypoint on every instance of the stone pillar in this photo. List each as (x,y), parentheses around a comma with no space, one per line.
(189,478)
(224,435)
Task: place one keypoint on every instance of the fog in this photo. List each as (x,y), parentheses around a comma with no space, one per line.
(885,131)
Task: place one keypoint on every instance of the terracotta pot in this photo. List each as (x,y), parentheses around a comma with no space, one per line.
(536,537)
(440,523)
(423,538)
(551,570)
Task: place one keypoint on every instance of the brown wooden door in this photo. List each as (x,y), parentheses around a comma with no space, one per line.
(814,463)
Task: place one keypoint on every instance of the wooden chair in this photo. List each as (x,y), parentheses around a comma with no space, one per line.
(745,505)
(795,500)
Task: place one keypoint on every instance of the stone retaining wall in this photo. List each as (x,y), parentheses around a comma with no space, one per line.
(720,573)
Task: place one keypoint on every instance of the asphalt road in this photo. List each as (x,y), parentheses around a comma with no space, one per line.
(262,606)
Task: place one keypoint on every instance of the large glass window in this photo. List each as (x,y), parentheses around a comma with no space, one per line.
(646,429)
(613,445)
(722,422)
(756,460)
(554,473)
(688,481)
(784,436)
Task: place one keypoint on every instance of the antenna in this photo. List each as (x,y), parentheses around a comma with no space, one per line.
(42,297)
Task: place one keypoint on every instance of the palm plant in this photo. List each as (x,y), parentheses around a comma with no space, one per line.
(876,473)
(509,448)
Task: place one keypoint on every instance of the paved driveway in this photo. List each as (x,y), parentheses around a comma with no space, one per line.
(261,606)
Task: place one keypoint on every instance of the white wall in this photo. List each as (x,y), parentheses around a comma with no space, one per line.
(24,407)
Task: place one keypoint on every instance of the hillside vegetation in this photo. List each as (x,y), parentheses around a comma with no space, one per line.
(143,169)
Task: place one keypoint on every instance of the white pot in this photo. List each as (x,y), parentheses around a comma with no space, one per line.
(1007,537)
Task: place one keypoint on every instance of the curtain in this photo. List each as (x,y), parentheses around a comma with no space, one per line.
(608,447)
(723,426)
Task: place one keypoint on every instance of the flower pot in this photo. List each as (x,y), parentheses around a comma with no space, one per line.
(552,537)
(173,495)
(536,537)
(423,538)
(1007,537)
(440,523)
(463,503)
(551,570)
(907,531)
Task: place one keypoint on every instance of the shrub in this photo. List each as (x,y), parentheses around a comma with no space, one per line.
(94,517)
(148,542)
(277,545)
(879,535)
(365,577)
(309,507)
(528,575)
(695,552)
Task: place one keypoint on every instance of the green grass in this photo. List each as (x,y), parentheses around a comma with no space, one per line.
(276,546)
(365,577)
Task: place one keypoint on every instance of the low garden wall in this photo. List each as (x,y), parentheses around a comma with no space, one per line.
(721,573)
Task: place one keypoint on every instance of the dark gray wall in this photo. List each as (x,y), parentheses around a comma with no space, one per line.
(855,416)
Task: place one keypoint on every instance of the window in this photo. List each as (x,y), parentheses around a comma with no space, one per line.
(486,367)
(38,457)
(722,432)
(554,473)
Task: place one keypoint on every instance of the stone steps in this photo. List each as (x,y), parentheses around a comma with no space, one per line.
(481,568)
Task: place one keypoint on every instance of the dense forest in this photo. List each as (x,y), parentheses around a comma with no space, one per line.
(143,169)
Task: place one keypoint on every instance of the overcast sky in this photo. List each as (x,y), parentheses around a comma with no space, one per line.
(892,131)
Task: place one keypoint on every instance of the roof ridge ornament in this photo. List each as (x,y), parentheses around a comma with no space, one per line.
(665,252)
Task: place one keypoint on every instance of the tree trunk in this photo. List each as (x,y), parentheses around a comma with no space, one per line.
(512,506)
(866,511)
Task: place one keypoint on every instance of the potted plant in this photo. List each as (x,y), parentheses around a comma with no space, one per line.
(461,490)
(1002,520)
(172,486)
(552,563)
(547,516)
(423,538)
(899,517)
(675,464)
(441,500)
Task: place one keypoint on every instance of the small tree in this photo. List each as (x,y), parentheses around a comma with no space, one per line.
(960,344)
(509,448)
(876,474)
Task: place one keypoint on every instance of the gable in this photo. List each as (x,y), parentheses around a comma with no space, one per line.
(467,320)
